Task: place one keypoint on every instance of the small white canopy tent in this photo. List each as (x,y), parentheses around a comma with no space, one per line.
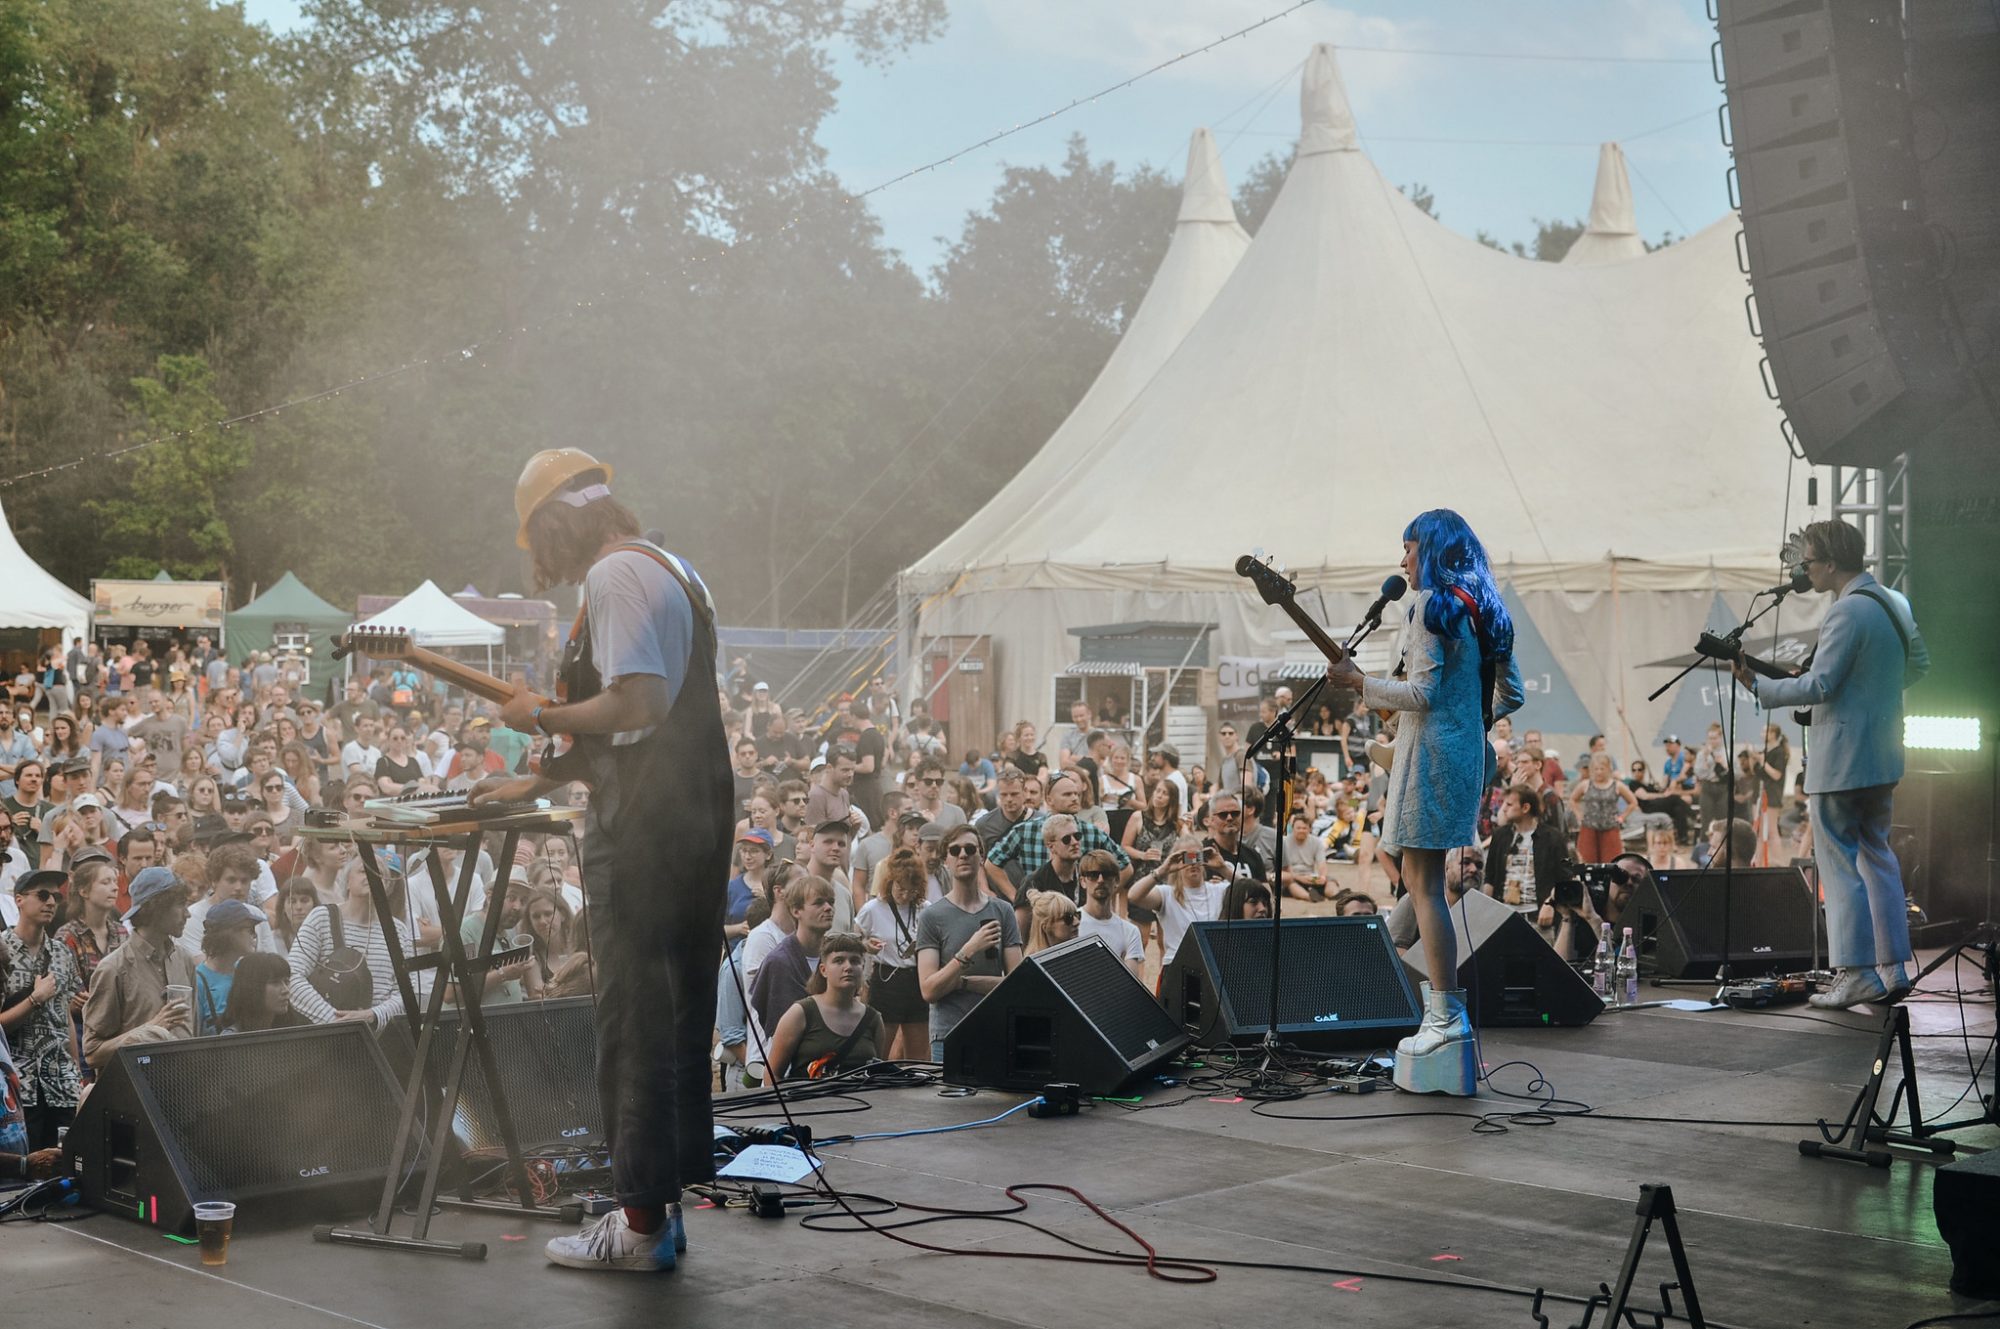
(34,599)
(1603,426)
(434,619)
(1612,234)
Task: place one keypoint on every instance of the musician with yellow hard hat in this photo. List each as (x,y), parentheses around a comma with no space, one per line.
(636,718)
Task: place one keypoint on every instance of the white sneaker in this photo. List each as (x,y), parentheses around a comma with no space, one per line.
(609,1243)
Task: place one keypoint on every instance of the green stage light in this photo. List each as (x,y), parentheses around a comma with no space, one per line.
(1941,733)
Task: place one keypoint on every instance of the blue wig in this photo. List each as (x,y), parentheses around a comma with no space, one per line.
(1449,554)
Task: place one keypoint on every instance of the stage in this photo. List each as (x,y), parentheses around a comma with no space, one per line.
(1774,1239)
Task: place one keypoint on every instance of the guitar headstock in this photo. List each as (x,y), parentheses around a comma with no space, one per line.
(377,643)
(1271,582)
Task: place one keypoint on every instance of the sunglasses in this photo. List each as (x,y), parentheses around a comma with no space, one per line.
(43,894)
(1071,838)
(1224,814)
(963,851)
(930,784)
(1093,874)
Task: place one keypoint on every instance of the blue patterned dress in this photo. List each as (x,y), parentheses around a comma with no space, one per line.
(1442,761)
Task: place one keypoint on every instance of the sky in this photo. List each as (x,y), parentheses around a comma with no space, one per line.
(1499,139)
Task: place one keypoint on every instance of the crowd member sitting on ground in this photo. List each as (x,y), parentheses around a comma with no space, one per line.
(1302,856)
(128,994)
(966,942)
(830,1029)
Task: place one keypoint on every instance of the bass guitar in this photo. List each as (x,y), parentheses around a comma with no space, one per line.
(561,756)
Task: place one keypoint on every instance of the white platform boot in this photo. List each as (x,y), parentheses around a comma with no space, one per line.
(1442,1057)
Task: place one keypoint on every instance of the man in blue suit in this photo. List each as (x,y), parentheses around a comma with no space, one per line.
(1869,651)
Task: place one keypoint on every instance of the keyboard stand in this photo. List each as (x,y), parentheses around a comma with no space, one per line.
(467,972)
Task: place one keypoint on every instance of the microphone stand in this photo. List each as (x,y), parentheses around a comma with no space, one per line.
(1723,976)
(1278,739)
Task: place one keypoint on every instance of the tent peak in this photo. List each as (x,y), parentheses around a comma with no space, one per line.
(1611,201)
(1205,190)
(1326,122)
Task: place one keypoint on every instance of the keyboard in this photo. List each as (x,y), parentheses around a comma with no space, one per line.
(429,809)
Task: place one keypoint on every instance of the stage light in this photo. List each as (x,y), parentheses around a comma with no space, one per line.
(1941,733)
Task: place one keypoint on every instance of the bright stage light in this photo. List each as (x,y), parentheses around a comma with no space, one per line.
(1941,733)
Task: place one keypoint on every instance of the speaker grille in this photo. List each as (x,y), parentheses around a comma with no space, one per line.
(1121,1008)
(252,1119)
(547,1056)
(1334,973)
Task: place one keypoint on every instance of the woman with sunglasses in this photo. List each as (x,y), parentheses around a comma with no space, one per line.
(1457,648)
(1052,920)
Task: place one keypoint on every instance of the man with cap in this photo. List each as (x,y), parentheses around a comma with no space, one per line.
(755,847)
(475,758)
(40,982)
(522,978)
(128,993)
(229,933)
(758,715)
(647,722)
(826,858)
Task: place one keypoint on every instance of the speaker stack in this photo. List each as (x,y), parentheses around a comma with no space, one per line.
(1676,918)
(1073,1013)
(1511,976)
(293,1122)
(1341,986)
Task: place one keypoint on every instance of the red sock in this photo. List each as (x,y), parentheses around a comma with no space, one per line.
(645,1219)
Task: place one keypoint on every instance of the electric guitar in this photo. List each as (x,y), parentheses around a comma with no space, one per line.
(1711,647)
(561,757)
(1280,591)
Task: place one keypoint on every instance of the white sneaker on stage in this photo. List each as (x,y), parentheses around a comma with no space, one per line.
(1855,987)
(610,1243)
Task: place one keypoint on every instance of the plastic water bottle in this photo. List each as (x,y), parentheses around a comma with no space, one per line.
(1628,970)
(1600,965)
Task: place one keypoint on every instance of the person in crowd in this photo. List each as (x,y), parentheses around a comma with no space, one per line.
(1741,848)
(871,754)
(1075,745)
(1052,920)
(1711,773)
(26,808)
(927,795)
(908,832)
(1247,899)
(232,869)
(1010,809)
(260,996)
(1098,872)
(1118,783)
(1663,848)
(1525,861)
(1677,769)
(753,847)
(1776,760)
(1457,646)
(401,769)
(745,773)
(1601,804)
(1181,892)
(360,755)
(517,980)
(979,769)
(826,859)
(229,934)
(782,977)
(164,729)
(361,931)
(1025,842)
(902,890)
(968,941)
(18,1160)
(128,1001)
(830,1029)
(41,985)
(1062,843)
(134,806)
(290,908)
(829,798)
(65,744)
(1353,904)
(1748,796)
(1657,799)
(1302,856)
(1225,855)
(1229,765)
(1869,653)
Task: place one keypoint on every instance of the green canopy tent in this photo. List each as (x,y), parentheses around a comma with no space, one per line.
(290,603)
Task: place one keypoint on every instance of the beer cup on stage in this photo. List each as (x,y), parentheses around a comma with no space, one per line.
(213,1223)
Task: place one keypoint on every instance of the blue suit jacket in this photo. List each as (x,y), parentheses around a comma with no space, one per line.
(1855,688)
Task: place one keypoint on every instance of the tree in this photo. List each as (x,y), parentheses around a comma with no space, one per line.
(173,516)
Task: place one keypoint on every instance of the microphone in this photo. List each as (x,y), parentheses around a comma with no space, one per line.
(1393,587)
(1800,581)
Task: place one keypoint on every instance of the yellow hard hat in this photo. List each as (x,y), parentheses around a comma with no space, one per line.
(545,475)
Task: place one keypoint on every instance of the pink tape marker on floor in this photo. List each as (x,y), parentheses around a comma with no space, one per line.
(1351,1285)
(1436,1258)
(1225,1100)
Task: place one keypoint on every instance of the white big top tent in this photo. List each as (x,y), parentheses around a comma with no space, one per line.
(1601,423)
(35,599)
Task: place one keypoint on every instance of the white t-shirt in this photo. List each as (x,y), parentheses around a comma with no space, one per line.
(640,622)
(1120,934)
(757,948)
(877,918)
(1203,904)
(354,755)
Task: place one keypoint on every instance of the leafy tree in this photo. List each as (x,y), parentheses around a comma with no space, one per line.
(172,516)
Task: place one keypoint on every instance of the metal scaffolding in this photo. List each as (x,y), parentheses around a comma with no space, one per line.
(1878,501)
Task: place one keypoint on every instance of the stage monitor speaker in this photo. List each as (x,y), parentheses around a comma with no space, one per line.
(1071,1013)
(1676,921)
(1965,1199)
(1341,987)
(546,1052)
(295,1122)
(1511,976)
(1844,265)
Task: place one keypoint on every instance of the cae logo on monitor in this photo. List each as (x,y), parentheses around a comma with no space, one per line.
(1331,1017)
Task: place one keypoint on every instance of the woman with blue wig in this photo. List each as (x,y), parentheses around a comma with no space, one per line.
(1457,650)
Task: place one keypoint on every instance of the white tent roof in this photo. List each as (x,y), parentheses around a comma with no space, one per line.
(34,599)
(1612,233)
(1363,363)
(1206,245)
(433,618)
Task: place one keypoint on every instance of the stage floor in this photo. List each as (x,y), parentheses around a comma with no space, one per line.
(1774,1239)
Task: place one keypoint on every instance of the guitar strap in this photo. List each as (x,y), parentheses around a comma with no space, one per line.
(697,594)
(1489,670)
